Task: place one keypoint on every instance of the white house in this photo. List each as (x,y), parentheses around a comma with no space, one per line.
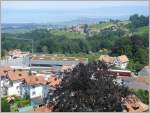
(36,89)
(20,83)
(17,78)
(11,80)
(5,82)
(121,62)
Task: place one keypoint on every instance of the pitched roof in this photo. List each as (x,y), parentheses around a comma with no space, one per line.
(123,58)
(30,79)
(35,80)
(17,75)
(147,67)
(4,70)
(53,81)
(65,67)
(43,109)
(107,58)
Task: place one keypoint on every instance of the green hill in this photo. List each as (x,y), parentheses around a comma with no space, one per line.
(67,34)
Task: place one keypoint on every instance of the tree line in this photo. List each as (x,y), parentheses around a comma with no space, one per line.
(135,46)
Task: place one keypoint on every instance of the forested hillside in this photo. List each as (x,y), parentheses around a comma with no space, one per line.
(117,37)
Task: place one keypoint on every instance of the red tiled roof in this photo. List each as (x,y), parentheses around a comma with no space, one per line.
(53,81)
(43,109)
(30,79)
(65,67)
(35,80)
(4,70)
(17,75)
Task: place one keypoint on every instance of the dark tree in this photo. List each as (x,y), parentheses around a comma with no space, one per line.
(89,88)
(138,21)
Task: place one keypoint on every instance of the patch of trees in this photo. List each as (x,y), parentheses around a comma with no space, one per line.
(136,48)
(46,42)
(87,90)
(139,20)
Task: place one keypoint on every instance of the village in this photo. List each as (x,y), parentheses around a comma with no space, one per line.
(35,77)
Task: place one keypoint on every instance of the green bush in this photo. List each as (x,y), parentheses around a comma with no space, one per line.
(5,107)
(25,103)
(143,95)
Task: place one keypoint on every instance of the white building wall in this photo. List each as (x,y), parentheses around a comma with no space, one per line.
(15,88)
(36,91)
(123,65)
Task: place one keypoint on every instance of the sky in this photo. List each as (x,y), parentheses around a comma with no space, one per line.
(62,11)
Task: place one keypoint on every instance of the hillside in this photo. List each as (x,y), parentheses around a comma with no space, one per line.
(67,34)
(118,37)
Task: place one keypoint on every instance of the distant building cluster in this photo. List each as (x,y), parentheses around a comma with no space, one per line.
(37,76)
(77,28)
(119,62)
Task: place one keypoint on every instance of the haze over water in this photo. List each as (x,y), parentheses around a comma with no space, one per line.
(62,11)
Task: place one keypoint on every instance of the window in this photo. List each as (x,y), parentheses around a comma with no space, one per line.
(17,87)
(33,93)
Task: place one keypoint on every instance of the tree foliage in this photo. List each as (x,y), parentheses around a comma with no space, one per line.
(87,89)
(136,48)
(138,21)
(115,38)
(5,107)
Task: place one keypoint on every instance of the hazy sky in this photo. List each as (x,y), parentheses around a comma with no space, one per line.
(59,11)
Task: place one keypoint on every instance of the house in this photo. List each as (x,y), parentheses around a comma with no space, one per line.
(36,89)
(5,82)
(145,71)
(16,58)
(17,53)
(17,78)
(121,62)
(107,59)
(53,84)
(66,68)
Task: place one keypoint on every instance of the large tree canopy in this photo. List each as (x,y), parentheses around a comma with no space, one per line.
(87,88)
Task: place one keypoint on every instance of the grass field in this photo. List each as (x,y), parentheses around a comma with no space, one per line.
(67,34)
(142,30)
(102,25)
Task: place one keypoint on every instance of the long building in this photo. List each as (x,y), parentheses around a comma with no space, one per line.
(56,61)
